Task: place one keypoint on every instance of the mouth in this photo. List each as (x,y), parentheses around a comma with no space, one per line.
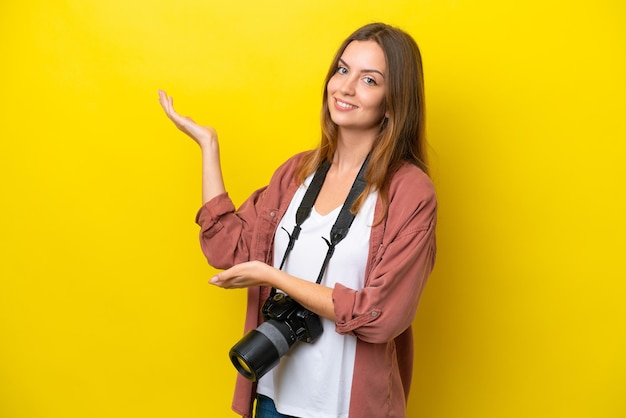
(344,105)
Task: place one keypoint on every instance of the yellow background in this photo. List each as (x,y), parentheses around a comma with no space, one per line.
(105,309)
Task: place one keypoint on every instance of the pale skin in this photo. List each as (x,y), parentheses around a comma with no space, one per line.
(356,101)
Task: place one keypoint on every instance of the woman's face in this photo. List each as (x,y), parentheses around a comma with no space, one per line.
(356,92)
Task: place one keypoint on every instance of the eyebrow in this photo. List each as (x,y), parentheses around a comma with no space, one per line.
(365,70)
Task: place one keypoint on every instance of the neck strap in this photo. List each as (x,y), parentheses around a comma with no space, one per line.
(344,220)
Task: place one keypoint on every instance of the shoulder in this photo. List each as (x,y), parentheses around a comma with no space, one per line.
(412,201)
(292,162)
(410,183)
(286,171)
(283,183)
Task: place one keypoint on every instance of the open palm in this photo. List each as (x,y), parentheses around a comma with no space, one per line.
(203,135)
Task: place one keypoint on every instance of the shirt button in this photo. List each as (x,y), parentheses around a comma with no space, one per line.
(374,313)
(272,214)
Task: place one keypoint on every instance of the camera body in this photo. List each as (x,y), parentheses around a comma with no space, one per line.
(304,324)
(286,322)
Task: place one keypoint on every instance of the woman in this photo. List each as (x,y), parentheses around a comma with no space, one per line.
(361,365)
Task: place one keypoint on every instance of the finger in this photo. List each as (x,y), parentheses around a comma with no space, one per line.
(162,99)
(230,283)
(222,276)
(169,101)
(166,104)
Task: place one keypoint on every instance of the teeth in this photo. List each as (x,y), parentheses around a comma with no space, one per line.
(345,105)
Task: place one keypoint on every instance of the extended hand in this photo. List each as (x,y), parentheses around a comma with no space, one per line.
(205,136)
(312,296)
(248,274)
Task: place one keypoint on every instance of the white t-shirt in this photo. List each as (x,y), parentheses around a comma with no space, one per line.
(314,380)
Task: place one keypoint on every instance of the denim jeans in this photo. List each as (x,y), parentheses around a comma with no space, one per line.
(265,408)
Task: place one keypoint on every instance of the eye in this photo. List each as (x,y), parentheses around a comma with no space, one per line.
(342,70)
(370,81)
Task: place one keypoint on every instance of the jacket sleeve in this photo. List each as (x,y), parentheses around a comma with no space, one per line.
(387,304)
(226,234)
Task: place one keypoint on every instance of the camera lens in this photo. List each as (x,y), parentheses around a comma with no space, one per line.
(261,349)
(242,364)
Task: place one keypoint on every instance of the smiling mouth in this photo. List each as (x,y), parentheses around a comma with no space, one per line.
(344,105)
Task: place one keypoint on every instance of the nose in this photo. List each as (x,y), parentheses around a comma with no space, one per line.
(347,86)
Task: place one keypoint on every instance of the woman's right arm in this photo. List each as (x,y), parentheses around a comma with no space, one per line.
(206,138)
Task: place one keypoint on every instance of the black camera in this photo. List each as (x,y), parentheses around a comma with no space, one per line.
(286,322)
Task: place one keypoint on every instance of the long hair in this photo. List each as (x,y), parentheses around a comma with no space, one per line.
(402,133)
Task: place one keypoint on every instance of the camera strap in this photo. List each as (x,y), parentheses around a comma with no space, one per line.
(344,220)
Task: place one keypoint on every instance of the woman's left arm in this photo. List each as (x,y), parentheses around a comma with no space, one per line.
(312,296)
(385,307)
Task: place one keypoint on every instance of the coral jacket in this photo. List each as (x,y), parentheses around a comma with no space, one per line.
(401,257)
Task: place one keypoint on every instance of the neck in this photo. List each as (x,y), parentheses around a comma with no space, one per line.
(351,152)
